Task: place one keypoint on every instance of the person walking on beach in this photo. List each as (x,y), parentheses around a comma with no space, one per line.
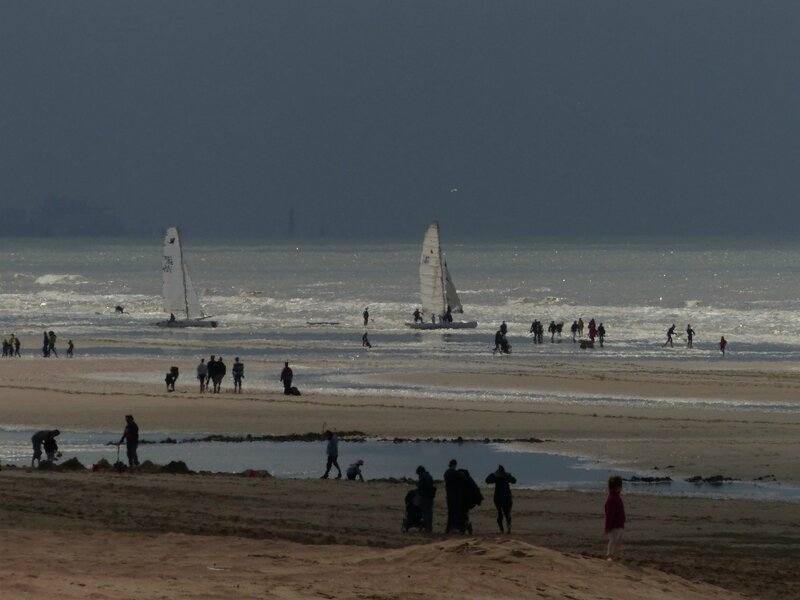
(601,333)
(286,378)
(17,344)
(45,345)
(70,349)
(37,440)
(615,517)
(131,438)
(354,471)
(426,491)
(670,333)
(365,314)
(502,495)
(580,326)
(689,336)
(574,329)
(51,343)
(722,345)
(202,375)
(238,375)
(551,329)
(332,450)
(365,341)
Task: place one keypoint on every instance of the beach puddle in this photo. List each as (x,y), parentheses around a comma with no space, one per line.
(382,459)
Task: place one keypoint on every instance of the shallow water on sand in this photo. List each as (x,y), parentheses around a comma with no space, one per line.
(383,459)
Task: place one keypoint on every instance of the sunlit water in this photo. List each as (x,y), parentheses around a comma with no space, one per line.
(265,295)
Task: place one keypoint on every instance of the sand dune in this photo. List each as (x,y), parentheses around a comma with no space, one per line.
(103,565)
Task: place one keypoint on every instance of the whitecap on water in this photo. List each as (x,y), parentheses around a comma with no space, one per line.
(56,278)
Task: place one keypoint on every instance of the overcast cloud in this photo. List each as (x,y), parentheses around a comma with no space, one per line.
(553,117)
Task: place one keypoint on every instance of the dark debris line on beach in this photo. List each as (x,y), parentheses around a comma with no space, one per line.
(345,436)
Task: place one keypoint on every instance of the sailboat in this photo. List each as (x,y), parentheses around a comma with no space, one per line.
(437,290)
(180,298)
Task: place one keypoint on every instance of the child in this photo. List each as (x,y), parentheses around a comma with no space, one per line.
(50,448)
(615,517)
(354,470)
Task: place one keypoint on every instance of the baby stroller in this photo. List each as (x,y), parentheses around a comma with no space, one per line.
(413,516)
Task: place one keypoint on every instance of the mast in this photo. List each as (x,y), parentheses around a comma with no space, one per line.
(183,274)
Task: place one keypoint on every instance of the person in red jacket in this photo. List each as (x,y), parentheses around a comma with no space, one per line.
(615,517)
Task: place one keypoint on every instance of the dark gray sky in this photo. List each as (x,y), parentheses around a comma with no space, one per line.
(553,117)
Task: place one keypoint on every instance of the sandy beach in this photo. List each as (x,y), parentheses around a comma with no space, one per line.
(223,536)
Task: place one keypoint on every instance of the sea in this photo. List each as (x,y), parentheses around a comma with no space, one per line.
(307,297)
(302,301)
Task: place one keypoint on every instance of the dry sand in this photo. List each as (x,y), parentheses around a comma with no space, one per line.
(101,535)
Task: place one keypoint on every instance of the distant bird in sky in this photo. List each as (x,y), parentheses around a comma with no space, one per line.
(453,190)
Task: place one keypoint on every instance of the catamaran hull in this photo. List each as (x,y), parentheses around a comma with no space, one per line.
(453,325)
(188,323)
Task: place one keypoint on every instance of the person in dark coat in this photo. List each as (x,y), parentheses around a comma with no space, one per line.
(425,492)
(502,495)
(222,370)
(286,377)
(615,517)
(37,440)
(454,488)
(131,438)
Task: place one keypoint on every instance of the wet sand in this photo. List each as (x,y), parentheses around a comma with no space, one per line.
(107,535)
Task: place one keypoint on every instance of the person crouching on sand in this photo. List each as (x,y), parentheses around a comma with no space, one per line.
(615,517)
(354,471)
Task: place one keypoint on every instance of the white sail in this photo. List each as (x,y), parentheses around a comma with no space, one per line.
(193,308)
(450,295)
(179,295)
(431,280)
(436,289)
(172,273)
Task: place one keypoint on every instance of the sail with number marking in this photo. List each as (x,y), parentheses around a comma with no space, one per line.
(180,297)
(431,280)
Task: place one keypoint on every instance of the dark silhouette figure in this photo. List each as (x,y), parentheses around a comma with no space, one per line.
(689,336)
(332,451)
(502,495)
(670,333)
(425,494)
(131,438)
(37,440)
(286,378)
(238,375)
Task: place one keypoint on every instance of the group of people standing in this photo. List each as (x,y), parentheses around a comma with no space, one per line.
(555,329)
(215,370)
(11,346)
(463,494)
